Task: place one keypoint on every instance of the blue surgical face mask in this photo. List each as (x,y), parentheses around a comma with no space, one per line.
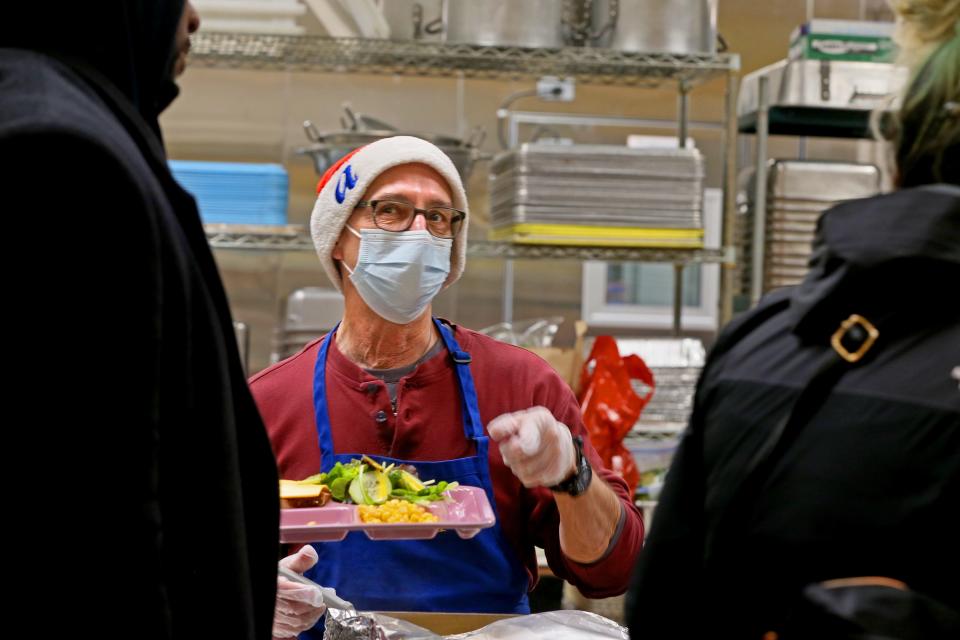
(398,274)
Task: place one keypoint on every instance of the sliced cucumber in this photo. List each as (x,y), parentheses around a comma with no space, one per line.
(375,486)
(356,490)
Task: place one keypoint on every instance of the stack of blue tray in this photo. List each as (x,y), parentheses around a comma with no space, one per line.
(235,192)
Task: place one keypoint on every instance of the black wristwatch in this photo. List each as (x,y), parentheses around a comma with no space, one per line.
(580,480)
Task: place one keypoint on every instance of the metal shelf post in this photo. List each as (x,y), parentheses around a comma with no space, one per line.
(760,193)
(729,198)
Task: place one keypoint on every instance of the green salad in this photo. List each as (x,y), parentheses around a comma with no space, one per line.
(365,481)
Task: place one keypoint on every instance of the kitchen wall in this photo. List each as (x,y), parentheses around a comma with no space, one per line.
(257,116)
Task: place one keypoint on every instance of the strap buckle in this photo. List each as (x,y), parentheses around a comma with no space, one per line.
(461,357)
(857,329)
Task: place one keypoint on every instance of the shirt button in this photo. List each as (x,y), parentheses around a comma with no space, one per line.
(380,416)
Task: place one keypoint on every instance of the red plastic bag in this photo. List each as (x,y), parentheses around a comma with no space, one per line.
(610,406)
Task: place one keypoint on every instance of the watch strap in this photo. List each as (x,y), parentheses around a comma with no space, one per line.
(580,480)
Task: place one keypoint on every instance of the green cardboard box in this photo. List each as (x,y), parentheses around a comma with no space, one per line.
(849,40)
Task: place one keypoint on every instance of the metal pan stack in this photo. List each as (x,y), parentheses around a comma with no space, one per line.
(598,194)
(675,364)
(672,401)
(798,191)
(310,313)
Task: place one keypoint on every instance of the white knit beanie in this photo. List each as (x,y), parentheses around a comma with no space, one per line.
(345,183)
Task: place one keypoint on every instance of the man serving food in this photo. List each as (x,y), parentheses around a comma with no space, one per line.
(403,387)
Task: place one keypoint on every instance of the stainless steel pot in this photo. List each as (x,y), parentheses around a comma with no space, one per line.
(327,148)
(414,19)
(674,26)
(520,23)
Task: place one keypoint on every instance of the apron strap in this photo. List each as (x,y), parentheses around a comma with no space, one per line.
(324,432)
(472,424)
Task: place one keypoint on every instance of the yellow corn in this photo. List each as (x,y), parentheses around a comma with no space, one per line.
(395,511)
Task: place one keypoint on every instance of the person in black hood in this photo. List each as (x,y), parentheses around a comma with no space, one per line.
(816,488)
(145,496)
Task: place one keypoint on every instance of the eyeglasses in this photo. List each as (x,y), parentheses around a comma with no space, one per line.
(389,215)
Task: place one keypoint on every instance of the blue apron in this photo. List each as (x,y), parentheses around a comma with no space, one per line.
(482,574)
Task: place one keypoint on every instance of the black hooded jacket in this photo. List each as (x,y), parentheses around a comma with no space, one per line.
(871,485)
(142,487)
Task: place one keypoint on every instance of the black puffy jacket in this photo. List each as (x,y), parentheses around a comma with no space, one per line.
(871,486)
(140,487)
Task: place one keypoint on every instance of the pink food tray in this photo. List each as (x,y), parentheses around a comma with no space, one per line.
(466,512)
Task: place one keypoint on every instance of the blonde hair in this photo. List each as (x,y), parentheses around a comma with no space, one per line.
(922,25)
(926,131)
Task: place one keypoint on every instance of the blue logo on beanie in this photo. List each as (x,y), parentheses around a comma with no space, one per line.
(345,182)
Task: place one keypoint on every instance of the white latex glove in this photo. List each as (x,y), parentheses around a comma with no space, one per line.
(537,448)
(298,606)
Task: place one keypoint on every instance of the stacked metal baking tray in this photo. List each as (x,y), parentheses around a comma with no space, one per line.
(595,193)
(675,364)
(798,191)
(672,401)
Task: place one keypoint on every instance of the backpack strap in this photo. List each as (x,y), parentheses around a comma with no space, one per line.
(853,339)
